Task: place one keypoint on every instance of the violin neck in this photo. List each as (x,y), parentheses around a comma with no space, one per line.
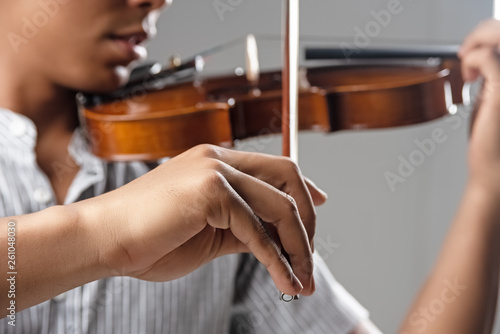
(449,51)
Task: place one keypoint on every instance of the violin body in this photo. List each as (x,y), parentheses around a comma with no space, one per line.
(159,124)
(153,124)
(383,97)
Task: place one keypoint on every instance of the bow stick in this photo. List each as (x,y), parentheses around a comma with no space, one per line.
(290,124)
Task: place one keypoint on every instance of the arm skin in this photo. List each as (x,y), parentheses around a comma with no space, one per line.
(54,252)
(466,276)
(197,206)
(460,295)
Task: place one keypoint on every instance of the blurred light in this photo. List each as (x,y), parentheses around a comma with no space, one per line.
(453,109)
(199,63)
(496,9)
(239,71)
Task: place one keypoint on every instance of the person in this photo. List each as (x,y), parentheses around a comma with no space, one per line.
(97,247)
(90,238)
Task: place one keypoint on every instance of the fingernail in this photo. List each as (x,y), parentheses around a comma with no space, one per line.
(318,189)
(321,191)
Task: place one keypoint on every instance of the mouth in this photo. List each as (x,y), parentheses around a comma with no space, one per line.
(129,46)
(133,39)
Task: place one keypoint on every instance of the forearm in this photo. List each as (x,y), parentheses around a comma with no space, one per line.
(460,294)
(54,252)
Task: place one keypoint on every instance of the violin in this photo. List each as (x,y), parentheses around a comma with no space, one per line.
(162,114)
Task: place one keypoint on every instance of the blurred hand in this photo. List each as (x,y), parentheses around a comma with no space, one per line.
(205,203)
(480,58)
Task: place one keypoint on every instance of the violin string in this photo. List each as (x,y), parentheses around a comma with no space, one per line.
(339,39)
(309,39)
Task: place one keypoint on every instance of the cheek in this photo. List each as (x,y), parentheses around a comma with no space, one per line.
(70,63)
(76,60)
(66,43)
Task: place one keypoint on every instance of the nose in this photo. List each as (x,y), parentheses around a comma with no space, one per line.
(150,4)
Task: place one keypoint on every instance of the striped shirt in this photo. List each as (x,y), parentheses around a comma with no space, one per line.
(233,294)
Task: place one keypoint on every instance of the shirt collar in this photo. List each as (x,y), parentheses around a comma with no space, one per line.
(17,131)
(92,169)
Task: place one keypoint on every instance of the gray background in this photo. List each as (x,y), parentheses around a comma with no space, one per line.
(379,244)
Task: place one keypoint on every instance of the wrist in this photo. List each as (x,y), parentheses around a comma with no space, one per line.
(95,233)
(100,218)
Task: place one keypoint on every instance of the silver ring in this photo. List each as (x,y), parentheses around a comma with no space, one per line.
(287,298)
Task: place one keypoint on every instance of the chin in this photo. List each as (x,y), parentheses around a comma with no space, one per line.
(106,81)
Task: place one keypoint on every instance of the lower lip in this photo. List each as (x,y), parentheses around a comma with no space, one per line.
(128,51)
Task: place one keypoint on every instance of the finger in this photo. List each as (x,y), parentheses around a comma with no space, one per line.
(486,34)
(279,172)
(231,245)
(318,196)
(232,212)
(280,210)
(483,61)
